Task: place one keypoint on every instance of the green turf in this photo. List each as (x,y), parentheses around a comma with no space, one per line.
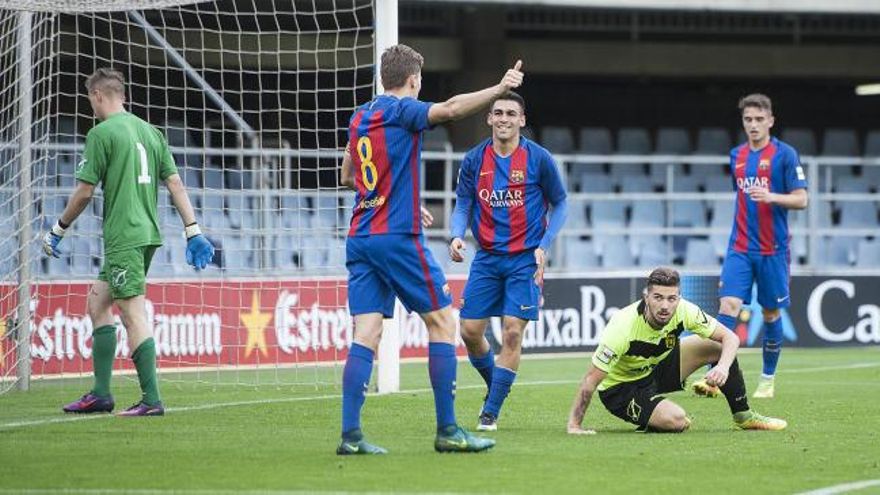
(287,442)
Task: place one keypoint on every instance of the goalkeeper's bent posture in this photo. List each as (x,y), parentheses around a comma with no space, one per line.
(127,157)
(640,357)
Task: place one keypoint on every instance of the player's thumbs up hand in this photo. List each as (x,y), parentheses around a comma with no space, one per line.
(513,78)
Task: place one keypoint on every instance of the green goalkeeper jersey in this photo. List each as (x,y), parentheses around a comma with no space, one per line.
(128,158)
(630,348)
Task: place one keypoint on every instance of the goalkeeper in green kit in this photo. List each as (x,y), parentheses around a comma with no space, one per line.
(127,157)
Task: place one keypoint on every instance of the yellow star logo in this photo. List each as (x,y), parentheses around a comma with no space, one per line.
(255,322)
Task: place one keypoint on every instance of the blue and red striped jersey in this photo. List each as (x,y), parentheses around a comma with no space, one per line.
(512,195)
(385,142)
(762,228)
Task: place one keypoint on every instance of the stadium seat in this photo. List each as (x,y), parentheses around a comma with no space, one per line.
(658,172)
(722,219)
(577,214)
(621,172)
(81,256)
(595,141)
(700,252)
(616,252)
(850,184)
(803,140)
(580,253)
(633,141)
(648,213)
(336,254)
(66,171)
(596,183)
(213,178)
(836,251)
(637,184)
(608,214)
(437,139)
(713,141)
(858,214)
(868,254)
(872,143)
(840,142)
(557,139)
(211,201)
(651,251)
(191,176)
(673,141)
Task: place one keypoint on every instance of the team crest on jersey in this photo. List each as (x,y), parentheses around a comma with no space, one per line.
(670,340)
(517,176)
(764,164)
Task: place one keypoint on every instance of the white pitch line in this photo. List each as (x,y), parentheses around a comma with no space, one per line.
(197,491)
(220,405)
(843,488)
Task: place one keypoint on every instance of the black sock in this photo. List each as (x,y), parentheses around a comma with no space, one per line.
(735,390)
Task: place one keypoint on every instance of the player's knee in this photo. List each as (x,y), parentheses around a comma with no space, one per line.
(512,338)
(771,314)
(441,324)
(472,330)
(729,306)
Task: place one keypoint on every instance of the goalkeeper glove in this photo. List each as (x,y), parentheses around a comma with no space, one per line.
(199,251)
(53,238)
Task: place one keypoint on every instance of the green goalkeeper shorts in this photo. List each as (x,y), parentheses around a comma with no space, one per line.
(126,271)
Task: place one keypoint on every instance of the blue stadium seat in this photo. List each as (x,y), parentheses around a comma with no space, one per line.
(213,178)
(633,141)
(596,183)
(652,251)
(636,184)
(868,254)
(595,141)
(648,213)
(336,255)
(580,253)
(616,252)
(658,172)
(608,214)
(840,142)
(673,141)
(836,251)
(871,175)
(803,140)
(718,183)
(211,201)
(577,214)
(713,141)
(191,176)
(850,184)
(872,143)
(314,253)
(722,218)
(858,214)
(66,171)
(621,172)
(81,262)
(557,139)
(285,250)
(437,139)
(700,252)
(688,213)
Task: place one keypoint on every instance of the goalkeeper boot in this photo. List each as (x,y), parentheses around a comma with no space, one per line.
(765,388)
(456,439)
(488,422)
(353,443)
(703,389)
(144,409)
(90,403)
(750,420)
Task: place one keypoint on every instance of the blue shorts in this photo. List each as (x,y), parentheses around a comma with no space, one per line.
(770,272)
(502,285)
(381,267)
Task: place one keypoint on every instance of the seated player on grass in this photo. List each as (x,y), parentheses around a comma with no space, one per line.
(640,357)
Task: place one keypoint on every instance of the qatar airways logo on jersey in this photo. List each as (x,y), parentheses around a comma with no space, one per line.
(746,183)
(502,198)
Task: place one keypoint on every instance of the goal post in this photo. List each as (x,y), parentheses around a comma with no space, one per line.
(254,98)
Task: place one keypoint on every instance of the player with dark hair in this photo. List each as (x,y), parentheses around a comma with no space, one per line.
(769,180)
(506,186)
(127,157)
(641,356)
(386,255)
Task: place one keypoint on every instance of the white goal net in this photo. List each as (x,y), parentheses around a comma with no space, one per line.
(254,98)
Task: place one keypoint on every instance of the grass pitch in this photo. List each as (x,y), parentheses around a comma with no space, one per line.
(269,438)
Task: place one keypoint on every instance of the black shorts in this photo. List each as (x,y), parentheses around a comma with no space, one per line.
(635,401)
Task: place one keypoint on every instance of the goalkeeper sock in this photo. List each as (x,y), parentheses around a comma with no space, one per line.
(144,358)
(103,353)
(442,367)
(484,366)
(355,380)
(772,345)
(734,389)
(502,380)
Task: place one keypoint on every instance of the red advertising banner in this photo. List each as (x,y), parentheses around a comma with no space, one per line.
(205,324)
